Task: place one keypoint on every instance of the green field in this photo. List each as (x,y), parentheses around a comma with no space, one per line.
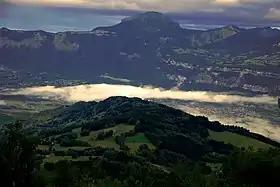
(135,141)
(132,142)
(108,142)
(57,147)
(53,159)
(5,118)
(237,140)
(138,138)
(122,128)
(91,139)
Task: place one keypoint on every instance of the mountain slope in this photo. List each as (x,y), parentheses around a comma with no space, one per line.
(215,35)
(151,49)
(158,124)
(176,160)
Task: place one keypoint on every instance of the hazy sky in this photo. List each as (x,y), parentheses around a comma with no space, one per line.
(58,15)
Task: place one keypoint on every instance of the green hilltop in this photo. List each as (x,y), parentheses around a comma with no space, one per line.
(137,122)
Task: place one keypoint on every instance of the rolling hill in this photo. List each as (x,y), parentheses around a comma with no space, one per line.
(124,123)
(149,49)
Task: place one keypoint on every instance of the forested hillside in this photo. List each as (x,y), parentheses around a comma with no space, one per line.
(133,142)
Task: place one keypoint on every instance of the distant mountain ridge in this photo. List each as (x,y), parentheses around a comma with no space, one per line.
(152,49)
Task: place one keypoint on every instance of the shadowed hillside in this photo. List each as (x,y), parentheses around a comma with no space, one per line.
(84,123)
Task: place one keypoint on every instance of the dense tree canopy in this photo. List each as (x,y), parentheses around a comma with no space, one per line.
(19,162)
(109,167)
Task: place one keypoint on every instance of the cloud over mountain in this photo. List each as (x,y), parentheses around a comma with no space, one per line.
(190,13)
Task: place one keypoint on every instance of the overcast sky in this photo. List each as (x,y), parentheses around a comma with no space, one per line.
(60,15)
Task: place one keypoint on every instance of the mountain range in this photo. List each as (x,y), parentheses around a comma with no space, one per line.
(147,49)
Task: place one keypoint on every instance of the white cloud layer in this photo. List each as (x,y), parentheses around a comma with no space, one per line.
(102,91)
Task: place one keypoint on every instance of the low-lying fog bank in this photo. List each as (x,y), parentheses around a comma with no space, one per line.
(2,102)
(249,119)
(259,123)
(102,91)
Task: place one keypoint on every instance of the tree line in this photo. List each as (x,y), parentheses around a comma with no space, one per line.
(21,165)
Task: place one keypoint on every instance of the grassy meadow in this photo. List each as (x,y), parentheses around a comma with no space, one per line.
(4,118)
(132,142)
(237,140)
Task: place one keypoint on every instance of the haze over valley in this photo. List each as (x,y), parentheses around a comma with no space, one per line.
(260,113)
